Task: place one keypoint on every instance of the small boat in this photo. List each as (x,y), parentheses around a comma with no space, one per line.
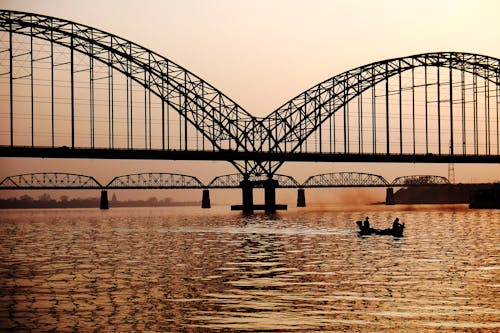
(396,230)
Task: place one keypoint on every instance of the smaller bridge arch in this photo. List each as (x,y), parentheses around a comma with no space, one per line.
(49,180)
(234,181)
(420,180)
(345,179)
(157,180)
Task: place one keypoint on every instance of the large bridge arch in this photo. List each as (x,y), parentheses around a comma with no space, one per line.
(443,104)
(468,125)
(214,115)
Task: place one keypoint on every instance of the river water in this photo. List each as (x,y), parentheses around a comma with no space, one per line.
(303,270)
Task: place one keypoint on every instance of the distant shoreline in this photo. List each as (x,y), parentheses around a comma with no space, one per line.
(26,202)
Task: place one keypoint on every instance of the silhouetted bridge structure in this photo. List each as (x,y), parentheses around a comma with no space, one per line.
(67,181)
(74,91)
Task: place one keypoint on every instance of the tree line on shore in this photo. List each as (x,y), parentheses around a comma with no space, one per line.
(46,201)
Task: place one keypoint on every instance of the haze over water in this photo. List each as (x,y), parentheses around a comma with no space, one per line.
(179,270)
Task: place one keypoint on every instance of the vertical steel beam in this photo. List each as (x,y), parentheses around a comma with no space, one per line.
(131,102)
(413,102)
(163,101)
(127,106)
(299,135)
(52,84)
(464,137)
(167,99)
(110,100)
(180,122)
(145,111)
(426,109)
(400,112)
(185,111)
(439,108)
(387,107)
(91,93)
(32,91)
(72,74)
(330,120)
(360,116)
(487,114)
(451,111)
(320,129)
(346,129)
(11,86)
(149,108)
(334,133)
(474,106)
(245,137)
(374,113)
(497,93)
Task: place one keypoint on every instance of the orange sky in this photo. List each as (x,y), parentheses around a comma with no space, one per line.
(261,53)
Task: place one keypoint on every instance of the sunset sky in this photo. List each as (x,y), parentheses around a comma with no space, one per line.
(261,53)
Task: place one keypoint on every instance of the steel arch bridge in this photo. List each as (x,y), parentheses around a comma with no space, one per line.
(77,91)
(235,180)
(420,180)
(155,181)
(432,107)
(74,91)
(163,180)
(345,179)
(216,121)
(49,180)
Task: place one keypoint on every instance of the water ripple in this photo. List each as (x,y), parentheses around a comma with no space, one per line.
(300,271)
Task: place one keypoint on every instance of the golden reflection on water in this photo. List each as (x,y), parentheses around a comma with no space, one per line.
(195,271)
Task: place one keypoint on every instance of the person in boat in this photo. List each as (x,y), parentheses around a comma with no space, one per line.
(396,224)
(397,228)
(366,224)
(365,228)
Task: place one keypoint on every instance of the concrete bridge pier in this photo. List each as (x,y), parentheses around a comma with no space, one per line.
(247,205)
(247,196)
(389,196)
(269,205)
(270,195)
(301,197)
(104,200)
(205,199)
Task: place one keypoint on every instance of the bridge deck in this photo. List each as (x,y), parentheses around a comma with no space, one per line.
(232,155)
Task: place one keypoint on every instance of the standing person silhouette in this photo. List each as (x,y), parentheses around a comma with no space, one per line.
(366,224)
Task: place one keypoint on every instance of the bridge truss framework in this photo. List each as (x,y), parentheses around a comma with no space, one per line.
(75,91)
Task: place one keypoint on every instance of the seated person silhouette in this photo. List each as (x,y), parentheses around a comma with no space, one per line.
(397,228)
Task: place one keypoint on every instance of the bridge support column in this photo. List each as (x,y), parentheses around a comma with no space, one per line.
(301,197)
(270,195)
(389,196)
(205,199)
(104,200)
(247,192)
